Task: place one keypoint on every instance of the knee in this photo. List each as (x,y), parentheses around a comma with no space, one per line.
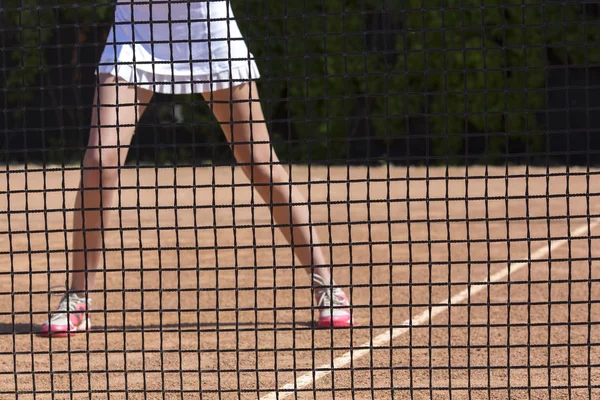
(265,173)
(105,156)
(260,164)
(100,158)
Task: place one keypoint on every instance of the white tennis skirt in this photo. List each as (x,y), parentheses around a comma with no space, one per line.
(177,47)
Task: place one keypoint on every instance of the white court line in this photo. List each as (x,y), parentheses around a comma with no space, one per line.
(388,336)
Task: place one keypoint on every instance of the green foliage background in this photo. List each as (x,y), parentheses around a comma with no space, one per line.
(463,67)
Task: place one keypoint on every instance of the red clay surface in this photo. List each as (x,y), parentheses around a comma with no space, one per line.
(209,333)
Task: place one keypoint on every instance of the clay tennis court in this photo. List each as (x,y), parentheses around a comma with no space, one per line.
(401,240)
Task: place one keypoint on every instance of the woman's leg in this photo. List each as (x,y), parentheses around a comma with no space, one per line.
(249,138)
(117,108)
(239,112)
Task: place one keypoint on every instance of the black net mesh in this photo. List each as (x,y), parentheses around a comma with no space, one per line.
(299,199)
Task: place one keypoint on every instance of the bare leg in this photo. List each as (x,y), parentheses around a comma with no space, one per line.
(251,145)
(117,108)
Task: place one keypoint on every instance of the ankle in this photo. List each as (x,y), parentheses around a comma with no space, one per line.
(79,293)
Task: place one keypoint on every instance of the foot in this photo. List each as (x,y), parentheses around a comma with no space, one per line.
(70,317)
(334,308)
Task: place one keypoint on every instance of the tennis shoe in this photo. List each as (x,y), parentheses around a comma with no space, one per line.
(334,308)
(69,318)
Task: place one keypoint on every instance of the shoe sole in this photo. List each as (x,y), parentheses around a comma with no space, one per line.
(84,326)
(333,323)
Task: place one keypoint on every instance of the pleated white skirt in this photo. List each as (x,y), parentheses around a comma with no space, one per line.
(177,48)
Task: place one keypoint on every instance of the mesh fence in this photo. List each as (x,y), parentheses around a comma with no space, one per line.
(326,199)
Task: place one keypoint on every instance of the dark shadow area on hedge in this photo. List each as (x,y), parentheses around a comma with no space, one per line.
(344,81)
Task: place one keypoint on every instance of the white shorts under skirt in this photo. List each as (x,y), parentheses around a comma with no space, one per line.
(177,48)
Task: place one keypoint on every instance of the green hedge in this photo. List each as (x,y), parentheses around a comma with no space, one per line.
(463,67)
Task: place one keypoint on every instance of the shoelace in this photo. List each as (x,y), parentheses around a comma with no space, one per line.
(72,301)
(326,297)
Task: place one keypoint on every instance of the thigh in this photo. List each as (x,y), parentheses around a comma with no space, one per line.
(117,108)
(241,117)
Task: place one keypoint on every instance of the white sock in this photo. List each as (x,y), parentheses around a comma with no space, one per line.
(321,282)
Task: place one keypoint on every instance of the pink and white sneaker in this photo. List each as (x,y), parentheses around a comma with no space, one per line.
(334,308)
(70,317)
